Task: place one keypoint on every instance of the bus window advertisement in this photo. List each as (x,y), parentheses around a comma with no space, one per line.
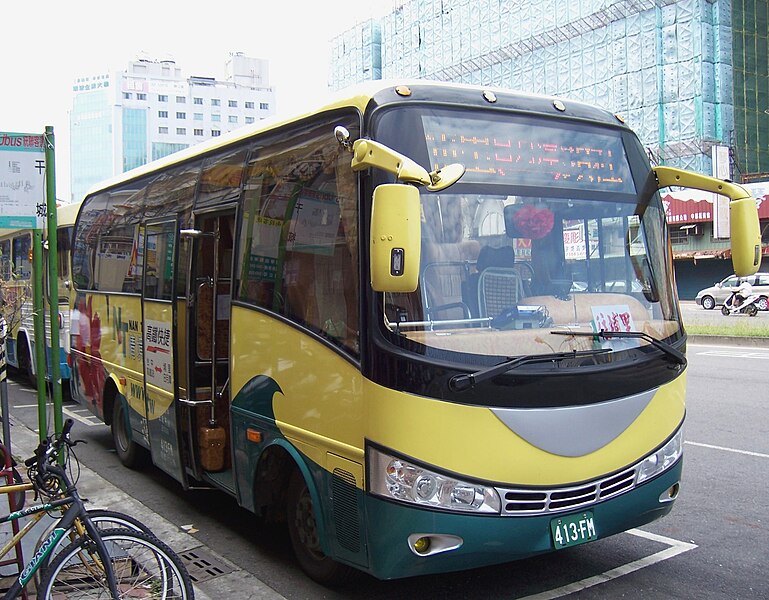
(158,359)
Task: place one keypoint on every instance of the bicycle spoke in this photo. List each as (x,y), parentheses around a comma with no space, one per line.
(143,568)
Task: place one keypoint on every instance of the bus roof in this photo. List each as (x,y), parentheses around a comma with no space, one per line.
(358,96)
(67,213)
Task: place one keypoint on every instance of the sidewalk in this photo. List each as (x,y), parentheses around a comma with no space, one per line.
(233,583)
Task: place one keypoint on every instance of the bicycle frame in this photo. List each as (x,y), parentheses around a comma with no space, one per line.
(12,489)
(74,511)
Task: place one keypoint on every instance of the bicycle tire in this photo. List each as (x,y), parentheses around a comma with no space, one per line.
(103,519)
(142,564)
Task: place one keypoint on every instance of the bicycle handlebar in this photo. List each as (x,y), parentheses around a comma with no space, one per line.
(48,448)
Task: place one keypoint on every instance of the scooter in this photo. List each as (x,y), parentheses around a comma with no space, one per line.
(735,304)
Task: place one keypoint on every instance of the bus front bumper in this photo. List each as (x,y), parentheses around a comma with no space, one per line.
(472,541)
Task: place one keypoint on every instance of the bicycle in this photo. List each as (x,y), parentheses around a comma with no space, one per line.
(116,563)
(103,519)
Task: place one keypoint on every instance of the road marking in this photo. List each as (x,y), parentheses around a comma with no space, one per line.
(676,547)
(735,450)
(83,420)
(735,354)
(89,419)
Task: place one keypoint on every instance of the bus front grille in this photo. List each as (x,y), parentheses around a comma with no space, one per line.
(534,501)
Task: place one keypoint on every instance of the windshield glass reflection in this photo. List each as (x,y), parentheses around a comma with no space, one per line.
(500,273)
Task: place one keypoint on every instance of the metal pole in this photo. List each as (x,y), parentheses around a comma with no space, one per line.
(4,389)
(38,312)
(53,275)
(214,290)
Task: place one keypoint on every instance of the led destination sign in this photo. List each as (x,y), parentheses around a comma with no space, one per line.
(523,154)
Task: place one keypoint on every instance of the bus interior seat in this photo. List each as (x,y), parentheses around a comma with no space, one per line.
(502,260)
(498,289)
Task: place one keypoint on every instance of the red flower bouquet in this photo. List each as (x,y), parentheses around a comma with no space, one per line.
(532,222)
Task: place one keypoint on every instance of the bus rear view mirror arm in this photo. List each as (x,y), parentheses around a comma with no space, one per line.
(368,153)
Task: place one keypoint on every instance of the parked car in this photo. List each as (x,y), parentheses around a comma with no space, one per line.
(718,293)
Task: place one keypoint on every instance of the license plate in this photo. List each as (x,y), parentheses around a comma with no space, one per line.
(571,530)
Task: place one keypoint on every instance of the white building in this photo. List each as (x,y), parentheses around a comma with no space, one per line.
(123,120)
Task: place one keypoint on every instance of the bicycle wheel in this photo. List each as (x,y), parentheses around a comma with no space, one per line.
(112,519)
(144,567)
(103,519)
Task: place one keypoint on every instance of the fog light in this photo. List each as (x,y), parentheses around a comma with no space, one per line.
(671,493)
(422,545)
(430,544)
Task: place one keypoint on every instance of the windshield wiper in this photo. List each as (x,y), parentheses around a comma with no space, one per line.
(677,356)
(460,383)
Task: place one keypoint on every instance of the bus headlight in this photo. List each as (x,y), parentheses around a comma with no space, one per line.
(662,459)
(398,479)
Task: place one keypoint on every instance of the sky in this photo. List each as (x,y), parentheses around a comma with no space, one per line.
(45,45)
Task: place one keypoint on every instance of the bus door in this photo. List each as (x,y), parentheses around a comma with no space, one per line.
(158,310)
(208,345)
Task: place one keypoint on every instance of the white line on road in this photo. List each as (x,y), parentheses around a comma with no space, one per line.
(735,354)
(676,547)
(88,419)
(77,417)
(735,450)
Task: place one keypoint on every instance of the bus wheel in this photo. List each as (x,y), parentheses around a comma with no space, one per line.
(129,452)
(303,531)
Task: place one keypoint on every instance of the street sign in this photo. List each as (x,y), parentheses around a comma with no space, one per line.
(22,180)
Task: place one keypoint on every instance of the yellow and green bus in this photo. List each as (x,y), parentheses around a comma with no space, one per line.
(16,290)
(433,326)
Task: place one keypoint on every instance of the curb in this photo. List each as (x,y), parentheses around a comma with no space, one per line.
(727,340)
(236,585)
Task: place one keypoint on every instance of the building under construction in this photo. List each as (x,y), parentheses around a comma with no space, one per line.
(687,75)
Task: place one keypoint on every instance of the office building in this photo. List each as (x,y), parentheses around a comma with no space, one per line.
(123,120)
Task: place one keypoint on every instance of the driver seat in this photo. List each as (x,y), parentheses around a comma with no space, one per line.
(499,283)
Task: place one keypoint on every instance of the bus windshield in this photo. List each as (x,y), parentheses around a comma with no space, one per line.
(552,229)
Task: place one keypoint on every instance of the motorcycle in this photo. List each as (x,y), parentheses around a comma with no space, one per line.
(736,304)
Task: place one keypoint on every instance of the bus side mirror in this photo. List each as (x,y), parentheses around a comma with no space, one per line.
(745,234)
(396,231)
(744,228)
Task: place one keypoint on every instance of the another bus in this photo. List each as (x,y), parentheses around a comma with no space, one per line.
(432,326)
(17,276)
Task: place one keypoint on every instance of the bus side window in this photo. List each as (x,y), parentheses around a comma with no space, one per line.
(299,245)
(5,260)
(63,248)
(22,261)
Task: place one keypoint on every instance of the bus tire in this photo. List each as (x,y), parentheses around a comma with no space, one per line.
(131,454)
(305,540)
